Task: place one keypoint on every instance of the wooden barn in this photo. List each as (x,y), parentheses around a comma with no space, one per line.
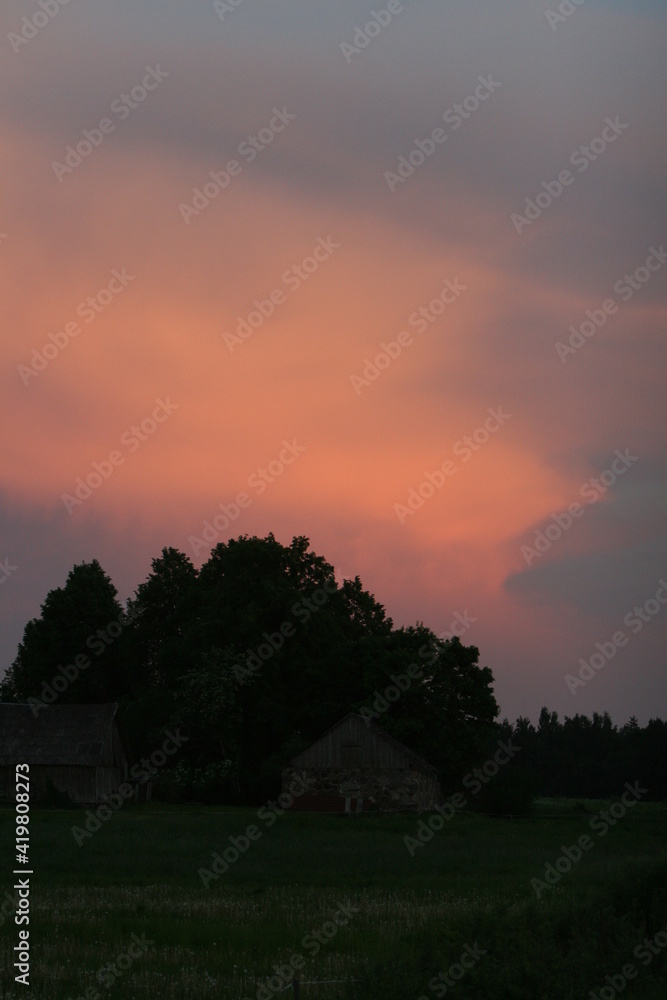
(77,748)
(355,767)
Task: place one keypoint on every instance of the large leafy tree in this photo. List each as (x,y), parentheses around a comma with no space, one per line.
(82,619)
(207,706)
(249,585)
(448,712)
(294,629)
(163,611)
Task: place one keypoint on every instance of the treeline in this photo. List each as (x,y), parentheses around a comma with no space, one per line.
(257,653)
(592,758)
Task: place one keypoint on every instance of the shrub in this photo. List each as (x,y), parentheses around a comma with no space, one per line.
(186,783)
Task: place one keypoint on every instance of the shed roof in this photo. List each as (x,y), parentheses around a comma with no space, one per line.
(59,735)
(366,726)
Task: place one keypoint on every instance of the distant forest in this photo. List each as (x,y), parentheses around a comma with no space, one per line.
(257,653)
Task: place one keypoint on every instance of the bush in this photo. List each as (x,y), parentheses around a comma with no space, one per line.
(186,783)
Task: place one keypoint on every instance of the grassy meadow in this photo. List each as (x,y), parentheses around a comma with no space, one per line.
(126,914)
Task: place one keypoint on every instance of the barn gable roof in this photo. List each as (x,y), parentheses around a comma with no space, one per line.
(353,721)
(59,735)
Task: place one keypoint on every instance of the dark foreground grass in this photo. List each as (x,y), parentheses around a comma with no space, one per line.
(344,896)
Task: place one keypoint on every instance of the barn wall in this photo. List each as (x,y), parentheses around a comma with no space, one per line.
(84,785)
(78,782)
(380,788)
(7,776)
(117,754)
(107,780)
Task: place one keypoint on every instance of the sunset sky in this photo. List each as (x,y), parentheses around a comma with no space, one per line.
(352,190)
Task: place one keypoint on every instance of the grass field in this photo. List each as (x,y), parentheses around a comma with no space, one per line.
(126,913)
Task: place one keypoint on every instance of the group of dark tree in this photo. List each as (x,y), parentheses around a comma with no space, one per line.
(257,653)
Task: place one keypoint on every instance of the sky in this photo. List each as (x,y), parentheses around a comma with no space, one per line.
(390,276)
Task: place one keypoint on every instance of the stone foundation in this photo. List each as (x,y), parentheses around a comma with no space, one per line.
(381,789)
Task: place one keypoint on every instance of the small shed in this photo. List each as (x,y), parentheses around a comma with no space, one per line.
(356,766)
(75,748)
